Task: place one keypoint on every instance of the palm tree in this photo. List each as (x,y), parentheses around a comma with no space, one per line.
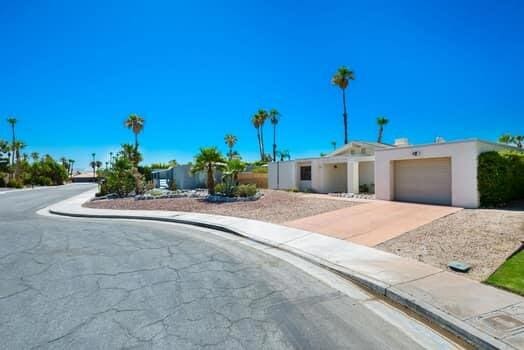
(71,163)
(255,120)
(341,79)
(518,140)
(334,144)
(274,118)
(208,159)
(93,165)
(381,121)
(506,138)
(136,124)
(18,146)
(258,121)
(284,154)
(130,152)
(230,141)
(233,167)
(35,156)
(12,121)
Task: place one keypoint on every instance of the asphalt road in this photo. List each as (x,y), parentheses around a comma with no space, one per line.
(95,284)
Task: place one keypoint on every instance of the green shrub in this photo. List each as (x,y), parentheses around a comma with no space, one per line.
(260,170)
(246,190)
(15,184)
(220,188)
(2,180)
(500,177)
(172,185)
(363,188)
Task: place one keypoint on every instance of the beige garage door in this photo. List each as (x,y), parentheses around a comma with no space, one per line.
(423,180)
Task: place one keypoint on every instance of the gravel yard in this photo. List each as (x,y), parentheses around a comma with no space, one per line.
(484,238)
(274,206)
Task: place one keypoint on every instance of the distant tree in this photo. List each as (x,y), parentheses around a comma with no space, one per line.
(381,122)
(71,163)
(209,159)
(258,121)
(284,154)
(135,123)
(341,79)
(517,140)
(274,118)
(12,121)
(230,141)
(334,145)
(35,156)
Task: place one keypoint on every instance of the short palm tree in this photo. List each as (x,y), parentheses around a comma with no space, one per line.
(284,154)
(12,121)
(208,159)
(35,156)
(341,79)
(334,145)
(381,122)
(230,141)
(131,153)
(136,124)
(274,118)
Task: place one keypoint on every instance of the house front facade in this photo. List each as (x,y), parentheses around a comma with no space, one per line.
(349,169)
(443,173)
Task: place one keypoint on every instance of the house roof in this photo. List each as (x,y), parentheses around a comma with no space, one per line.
(359,144)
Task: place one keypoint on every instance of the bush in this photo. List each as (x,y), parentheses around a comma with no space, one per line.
(500,177)
(15,184)
(260,170)
(172,185)
(246,190)
(220,188)
(2,180)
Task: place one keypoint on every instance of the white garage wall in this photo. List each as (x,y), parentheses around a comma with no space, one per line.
(334,179)
(464,160)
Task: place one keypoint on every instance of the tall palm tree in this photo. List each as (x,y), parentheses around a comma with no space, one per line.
(136,124)
(12,121)
(341,79)
(18,146)
(284,154)
(381,122)
(274,118)
(208,159)
(262,115)
(71,163)
(93,165)
(230,141)
(255,120)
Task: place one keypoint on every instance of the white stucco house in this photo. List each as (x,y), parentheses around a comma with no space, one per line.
(439,173)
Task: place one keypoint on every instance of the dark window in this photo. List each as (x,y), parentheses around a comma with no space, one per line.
(305,173)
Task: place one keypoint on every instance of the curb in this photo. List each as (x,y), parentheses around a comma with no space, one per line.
(428,312)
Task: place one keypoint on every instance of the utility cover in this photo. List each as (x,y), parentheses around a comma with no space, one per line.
(459,266)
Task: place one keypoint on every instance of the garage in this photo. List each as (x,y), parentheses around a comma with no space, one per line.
(425,180)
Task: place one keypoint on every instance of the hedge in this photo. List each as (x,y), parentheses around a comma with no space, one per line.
(500,177)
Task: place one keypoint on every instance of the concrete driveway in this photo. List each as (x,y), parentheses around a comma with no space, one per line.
(373,222)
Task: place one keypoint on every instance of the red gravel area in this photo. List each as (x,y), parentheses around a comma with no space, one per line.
(274,206)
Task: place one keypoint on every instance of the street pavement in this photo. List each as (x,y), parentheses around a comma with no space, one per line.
(106,284)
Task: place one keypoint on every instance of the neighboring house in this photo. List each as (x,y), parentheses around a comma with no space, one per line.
(83,177)
(440,173)
(345,170)
(182,176)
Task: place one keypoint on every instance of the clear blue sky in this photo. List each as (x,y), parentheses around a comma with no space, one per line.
(72,71)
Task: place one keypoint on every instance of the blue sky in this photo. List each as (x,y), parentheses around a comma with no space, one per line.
(72,71)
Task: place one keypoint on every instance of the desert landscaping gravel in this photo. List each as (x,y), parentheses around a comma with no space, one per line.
(483,238)
(274,206)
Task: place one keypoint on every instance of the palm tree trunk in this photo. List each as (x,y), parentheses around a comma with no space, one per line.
(13,145)
(262,142)
(136,142)
(380,131)
(274,142)
(260,145)
(210,180)
(345,117)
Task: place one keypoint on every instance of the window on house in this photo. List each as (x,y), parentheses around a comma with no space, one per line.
(305,173)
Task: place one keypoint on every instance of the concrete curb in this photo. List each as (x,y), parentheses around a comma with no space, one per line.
(429,312)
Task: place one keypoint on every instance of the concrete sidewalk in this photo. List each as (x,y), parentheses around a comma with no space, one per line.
(485,316)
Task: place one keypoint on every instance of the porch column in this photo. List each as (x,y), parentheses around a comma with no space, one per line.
(353,180)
